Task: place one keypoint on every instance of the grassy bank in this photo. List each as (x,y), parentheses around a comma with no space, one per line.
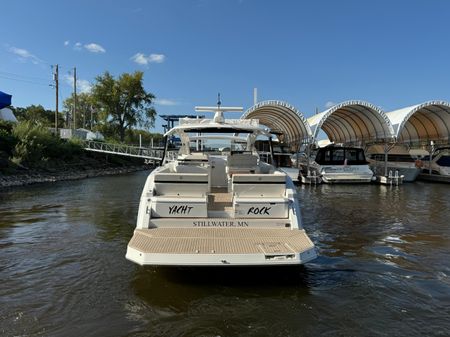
(31,154)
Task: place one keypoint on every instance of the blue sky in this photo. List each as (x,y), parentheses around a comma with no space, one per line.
(308,53)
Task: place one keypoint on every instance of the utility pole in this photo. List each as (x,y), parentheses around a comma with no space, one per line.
(74,124)
(56,78)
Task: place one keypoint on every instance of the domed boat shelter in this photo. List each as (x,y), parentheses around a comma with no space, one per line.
(353,122)
(422,123)
(283,119)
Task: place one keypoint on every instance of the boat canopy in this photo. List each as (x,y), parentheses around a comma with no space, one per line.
(422,122)
(352,121)
(283,119)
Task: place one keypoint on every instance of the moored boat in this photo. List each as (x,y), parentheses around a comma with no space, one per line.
(436,167)
(217,203)
(338,164)
(398,160)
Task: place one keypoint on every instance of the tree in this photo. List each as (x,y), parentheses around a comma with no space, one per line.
(87,110)
(38,115)
(123,102)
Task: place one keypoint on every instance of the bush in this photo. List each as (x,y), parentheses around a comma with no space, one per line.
(7,140)
(35,143)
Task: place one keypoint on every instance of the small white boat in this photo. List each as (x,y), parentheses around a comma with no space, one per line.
(217,203)
(338,164)
(398,160)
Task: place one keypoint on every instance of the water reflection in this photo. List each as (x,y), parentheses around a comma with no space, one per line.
(195,282)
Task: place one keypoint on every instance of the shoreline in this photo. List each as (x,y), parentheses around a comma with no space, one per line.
(40,177)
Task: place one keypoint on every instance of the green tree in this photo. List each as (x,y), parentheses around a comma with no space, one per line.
(37,115)
(132,137)
(123,102)
(87,110)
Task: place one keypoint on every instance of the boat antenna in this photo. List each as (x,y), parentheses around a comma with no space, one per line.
(219,103)
(219,110)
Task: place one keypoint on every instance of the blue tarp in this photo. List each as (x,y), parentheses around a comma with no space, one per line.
(5,100)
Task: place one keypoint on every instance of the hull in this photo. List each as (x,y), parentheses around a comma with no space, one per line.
(258,224)
(439,178)
(343,178)
(339,174)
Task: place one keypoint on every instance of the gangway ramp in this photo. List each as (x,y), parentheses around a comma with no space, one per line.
(124,150)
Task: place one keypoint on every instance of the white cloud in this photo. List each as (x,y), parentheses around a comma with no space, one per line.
(142,59)
(329,104)
(77,46)
(94,48)
(24,55)
(83,86)
(166,102)
(156,58)
(66,43)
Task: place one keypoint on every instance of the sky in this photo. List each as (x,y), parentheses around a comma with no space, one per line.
(311,54)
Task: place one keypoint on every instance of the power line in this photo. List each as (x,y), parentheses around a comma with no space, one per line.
(23,80)
(23,76)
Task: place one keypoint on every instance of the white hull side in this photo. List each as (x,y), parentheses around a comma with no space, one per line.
(339,174)
(409,171)
(342,178)
(209,260)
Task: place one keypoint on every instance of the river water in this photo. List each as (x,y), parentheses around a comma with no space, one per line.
(383,270)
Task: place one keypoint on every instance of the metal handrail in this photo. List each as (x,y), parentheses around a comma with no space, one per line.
(125,150)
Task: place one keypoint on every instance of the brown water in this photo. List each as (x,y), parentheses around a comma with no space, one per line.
(383,270)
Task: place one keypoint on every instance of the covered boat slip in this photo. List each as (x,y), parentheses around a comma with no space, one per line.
(358,123)
(220,246)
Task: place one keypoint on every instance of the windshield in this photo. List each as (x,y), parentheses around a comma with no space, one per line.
(216,144)
(444,161)
(340,156)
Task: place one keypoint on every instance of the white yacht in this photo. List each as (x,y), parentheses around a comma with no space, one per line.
(399,160)
(338,164)
(439,163)
(216,203)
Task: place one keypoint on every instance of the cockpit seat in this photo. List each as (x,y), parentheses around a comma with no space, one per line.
(259,185)
(241,163)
